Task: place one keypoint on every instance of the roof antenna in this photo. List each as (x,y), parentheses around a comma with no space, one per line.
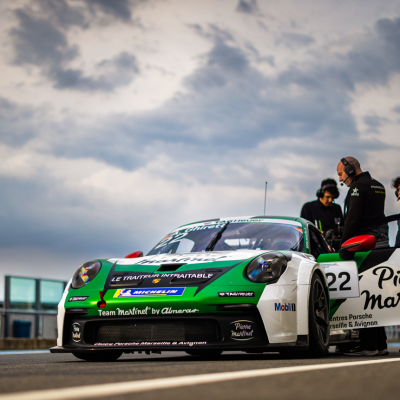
(265,199)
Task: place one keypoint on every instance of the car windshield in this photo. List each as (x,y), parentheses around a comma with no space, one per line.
(238,235)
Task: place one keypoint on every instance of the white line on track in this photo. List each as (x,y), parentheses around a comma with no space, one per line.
(7,352)
(119,388)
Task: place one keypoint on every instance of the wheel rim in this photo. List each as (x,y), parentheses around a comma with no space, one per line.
(321,312)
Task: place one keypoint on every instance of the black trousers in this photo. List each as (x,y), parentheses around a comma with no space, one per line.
(373,338)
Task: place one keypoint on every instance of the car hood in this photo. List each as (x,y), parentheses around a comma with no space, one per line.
(189,258)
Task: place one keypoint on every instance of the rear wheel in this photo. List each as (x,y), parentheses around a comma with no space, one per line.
(99,356)
(204,353)
(318,318)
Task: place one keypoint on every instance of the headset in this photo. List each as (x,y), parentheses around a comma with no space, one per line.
(349,169)
(321,191)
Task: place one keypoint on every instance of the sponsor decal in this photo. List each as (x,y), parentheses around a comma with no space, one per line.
(146,311)
(77,298)
(161,292)
(285,307)
(355,192)
(235,294)
(190,344)
(242,330)
(183,259)
(352,321)
(76,332)
(385,274)
(139,276)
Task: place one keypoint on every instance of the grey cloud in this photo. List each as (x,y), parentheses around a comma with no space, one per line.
(374,122)
(63,14)
(113,73)
(120,9)
(213,32)
(295,40)
(378,56)
(38,41)
(397,109)
(17,123)
(248,7)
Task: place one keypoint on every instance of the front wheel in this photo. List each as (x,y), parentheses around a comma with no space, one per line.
(318,318)
(99,356)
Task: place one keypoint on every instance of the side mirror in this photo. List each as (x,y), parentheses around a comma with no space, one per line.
(135,254)
(357,243)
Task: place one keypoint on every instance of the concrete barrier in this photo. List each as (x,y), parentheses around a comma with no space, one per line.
(27,344)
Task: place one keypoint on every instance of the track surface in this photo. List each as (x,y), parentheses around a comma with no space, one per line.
(27,372)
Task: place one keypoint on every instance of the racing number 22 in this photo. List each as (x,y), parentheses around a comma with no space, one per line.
(342,286)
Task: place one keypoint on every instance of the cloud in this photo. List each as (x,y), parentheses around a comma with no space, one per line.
(295,40)
(374,122)
(377,57)
(117,183)
(120,9)
(41,40)
(248,7)
(112,74)
(18,123)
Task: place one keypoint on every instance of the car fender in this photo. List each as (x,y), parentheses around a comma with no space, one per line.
(283,305)
(306,270)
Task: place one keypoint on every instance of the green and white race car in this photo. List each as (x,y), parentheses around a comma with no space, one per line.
(253,284)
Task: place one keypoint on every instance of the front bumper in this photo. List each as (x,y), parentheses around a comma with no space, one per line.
(227,331)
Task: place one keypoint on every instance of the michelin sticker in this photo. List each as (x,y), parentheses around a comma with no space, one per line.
(160,292)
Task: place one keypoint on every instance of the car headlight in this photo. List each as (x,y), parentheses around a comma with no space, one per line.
(267,267)
(85,273)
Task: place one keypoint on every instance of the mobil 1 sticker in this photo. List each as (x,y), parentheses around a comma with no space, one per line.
(342,279)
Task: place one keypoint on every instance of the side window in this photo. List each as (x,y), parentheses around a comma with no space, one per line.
(318,243)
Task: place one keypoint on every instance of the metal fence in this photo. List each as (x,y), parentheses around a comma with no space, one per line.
(30,307)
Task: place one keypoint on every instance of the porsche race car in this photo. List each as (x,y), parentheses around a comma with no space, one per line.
(253,284)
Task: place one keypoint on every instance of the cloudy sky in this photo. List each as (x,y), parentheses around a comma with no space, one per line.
(121,120)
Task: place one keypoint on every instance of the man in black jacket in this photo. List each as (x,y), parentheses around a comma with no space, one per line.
(364,208)
(324,213)
(364,203)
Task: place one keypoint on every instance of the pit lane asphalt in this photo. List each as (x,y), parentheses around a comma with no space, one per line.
(26,372)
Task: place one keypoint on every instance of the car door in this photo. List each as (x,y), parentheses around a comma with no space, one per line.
(379,286)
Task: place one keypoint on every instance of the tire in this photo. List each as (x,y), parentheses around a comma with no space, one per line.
(205,353)
(98,356)
(318,318)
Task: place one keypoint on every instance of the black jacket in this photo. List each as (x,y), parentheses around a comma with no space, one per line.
(364,206)
(322,216)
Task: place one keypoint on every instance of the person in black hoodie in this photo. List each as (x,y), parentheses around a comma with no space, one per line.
(324,213)
(364,203)
(364,208)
